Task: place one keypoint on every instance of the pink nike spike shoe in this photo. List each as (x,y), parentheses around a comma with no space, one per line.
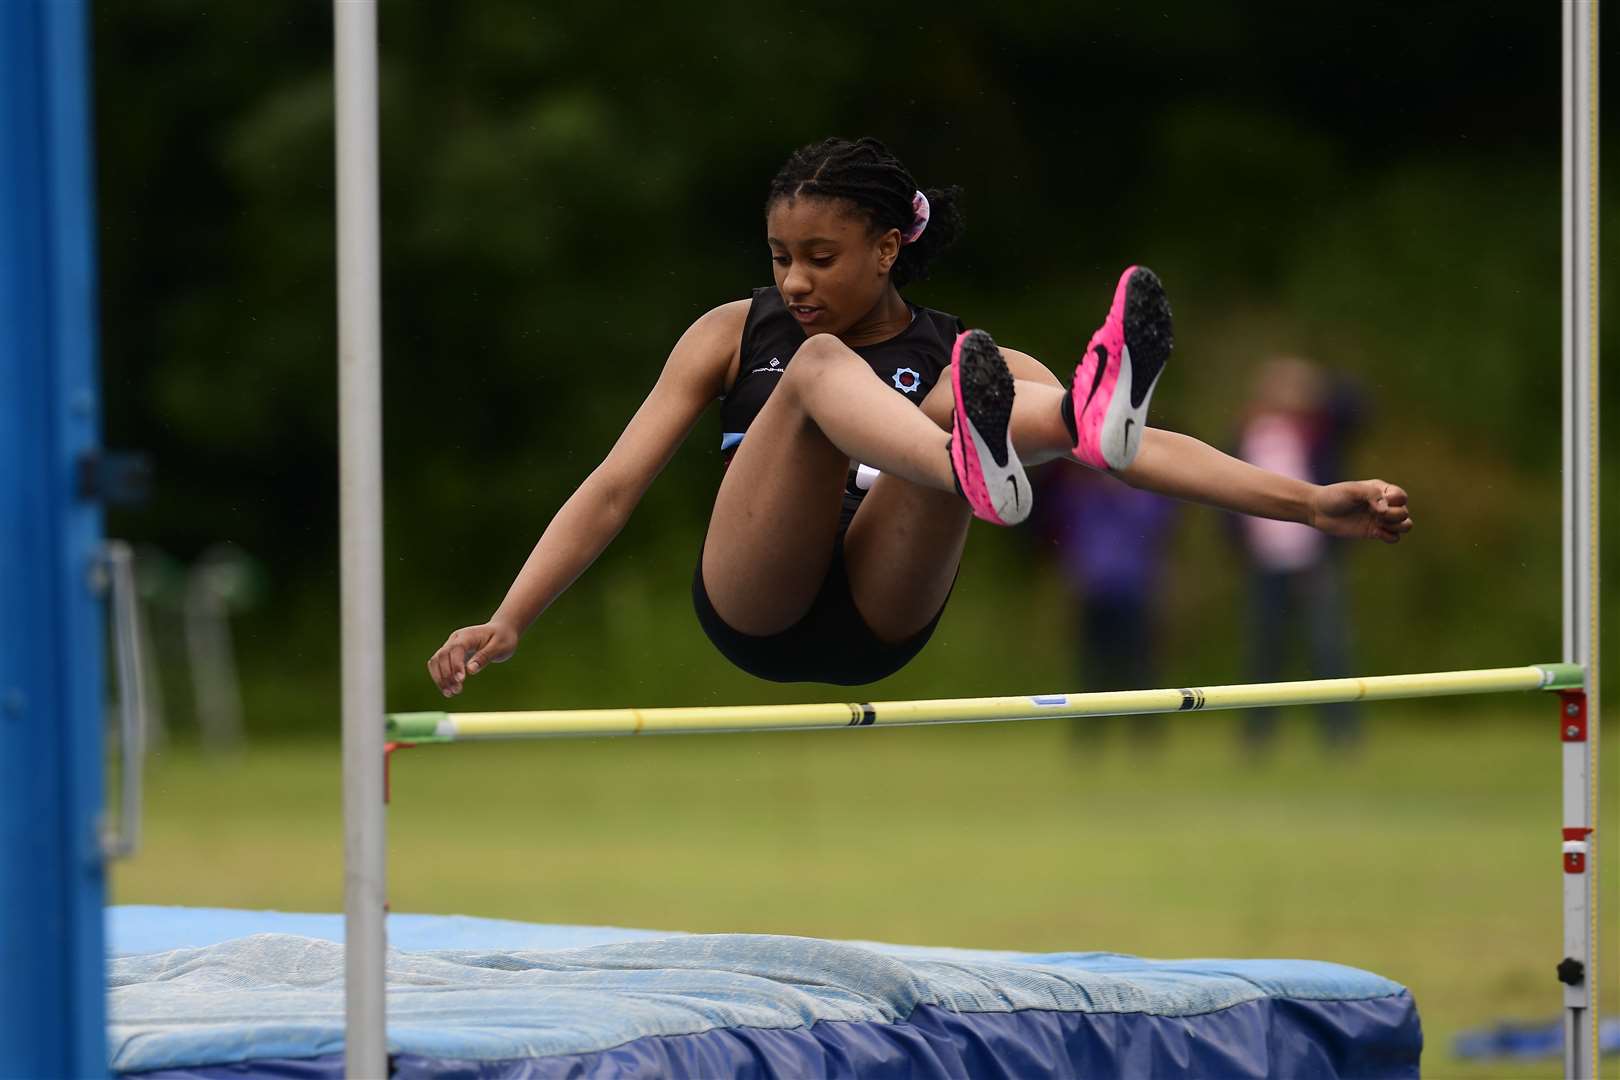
(1106,407)
(988,471)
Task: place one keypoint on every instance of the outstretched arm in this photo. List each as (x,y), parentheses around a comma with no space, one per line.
(1183,467)
(693,376)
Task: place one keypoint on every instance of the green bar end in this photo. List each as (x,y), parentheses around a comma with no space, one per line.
(416,726)
(1562,676)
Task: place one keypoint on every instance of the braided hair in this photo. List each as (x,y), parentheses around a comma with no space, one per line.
(874,180)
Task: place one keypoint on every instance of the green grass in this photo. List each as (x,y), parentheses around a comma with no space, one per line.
(1430,857)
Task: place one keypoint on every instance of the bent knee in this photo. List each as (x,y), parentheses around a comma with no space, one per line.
(820,354)
(822,347)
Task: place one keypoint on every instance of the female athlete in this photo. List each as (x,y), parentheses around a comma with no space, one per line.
(863,432)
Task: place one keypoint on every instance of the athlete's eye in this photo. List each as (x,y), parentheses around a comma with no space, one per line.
(780,260)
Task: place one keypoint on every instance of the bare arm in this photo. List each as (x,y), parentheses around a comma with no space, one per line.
(693,376)
(1184,468)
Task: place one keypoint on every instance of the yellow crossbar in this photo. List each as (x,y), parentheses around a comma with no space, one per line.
(455,727)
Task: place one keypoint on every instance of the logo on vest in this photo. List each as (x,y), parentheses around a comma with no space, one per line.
(907,381)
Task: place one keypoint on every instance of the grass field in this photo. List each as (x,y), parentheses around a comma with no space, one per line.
(1431,856)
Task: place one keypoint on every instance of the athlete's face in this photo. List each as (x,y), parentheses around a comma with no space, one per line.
(830,267)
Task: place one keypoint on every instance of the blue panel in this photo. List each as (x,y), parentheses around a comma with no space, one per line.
(1257,1039)
(52,1017)
(1278,1037)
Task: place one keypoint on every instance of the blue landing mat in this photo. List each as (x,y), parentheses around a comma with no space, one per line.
(206,993)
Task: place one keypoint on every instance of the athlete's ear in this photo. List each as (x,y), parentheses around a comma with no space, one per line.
(888,250)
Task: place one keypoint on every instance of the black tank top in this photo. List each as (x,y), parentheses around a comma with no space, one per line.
(911,363)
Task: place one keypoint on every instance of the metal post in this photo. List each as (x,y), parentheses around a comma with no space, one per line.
(1579,970)
(360,464)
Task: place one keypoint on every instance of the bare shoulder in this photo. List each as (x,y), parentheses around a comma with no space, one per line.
(711,346)
(723,323)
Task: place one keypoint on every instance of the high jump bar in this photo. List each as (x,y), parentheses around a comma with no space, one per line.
(428,727)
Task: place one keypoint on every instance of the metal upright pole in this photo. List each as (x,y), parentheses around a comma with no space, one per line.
(360,465)
(1578,720)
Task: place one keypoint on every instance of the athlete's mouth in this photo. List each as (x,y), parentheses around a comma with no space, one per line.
(804,312)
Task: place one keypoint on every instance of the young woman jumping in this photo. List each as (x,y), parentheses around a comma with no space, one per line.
(863,433)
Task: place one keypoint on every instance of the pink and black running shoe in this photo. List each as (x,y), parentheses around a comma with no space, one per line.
(1106,407)
(988,472)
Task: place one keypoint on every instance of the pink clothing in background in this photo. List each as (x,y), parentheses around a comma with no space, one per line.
(1281,444)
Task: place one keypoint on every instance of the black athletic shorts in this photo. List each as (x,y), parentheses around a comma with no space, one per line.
(830,644)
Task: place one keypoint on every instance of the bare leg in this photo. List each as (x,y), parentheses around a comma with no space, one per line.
(896,592)
(1038,432)
(771,534)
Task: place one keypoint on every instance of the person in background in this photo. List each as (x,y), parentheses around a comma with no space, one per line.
(1110,541)
(1299,423)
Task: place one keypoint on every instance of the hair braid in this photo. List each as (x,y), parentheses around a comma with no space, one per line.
(866,174)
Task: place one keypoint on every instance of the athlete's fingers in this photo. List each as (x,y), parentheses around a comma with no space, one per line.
(445,659)
(446,663)
(1395,495)
(473,640)
(439,669)
(1391,532)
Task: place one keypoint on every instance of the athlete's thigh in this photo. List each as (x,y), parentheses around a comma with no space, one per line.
(775,521)
(901,554)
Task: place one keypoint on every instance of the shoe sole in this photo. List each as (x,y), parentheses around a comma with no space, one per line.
(1149,338)
(988,470)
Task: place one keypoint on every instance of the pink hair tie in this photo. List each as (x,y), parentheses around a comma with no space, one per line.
(919,218)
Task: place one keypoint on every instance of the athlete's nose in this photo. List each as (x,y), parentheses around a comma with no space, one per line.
(796,285)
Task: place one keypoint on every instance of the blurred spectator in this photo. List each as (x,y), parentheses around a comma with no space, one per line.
(1298,423)
(1110,543)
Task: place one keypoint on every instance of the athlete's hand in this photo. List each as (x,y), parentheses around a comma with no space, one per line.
(468,651)
(1362,510)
